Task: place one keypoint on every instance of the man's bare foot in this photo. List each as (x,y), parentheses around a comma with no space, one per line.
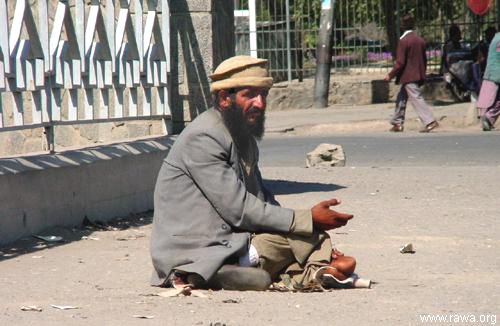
(341,267)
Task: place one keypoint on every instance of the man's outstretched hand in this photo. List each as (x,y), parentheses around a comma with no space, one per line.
(325,218)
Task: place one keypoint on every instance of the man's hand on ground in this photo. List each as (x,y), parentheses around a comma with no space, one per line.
(325,218)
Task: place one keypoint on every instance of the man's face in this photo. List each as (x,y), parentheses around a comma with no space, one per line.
(252,102)
(244,111)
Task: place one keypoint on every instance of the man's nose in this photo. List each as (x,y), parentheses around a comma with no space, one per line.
(260,102)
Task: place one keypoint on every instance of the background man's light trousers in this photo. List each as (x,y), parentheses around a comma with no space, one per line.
(411,92)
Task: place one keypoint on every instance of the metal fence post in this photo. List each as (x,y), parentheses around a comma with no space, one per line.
(324,55)
(498,14)
(288,44)
(398,18)
(252,28)
(48,132)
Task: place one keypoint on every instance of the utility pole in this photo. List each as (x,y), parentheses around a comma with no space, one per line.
(498,14)
(323,55)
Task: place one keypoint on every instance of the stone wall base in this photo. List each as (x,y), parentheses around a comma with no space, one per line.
(348,91)
(23,141)
(99,183)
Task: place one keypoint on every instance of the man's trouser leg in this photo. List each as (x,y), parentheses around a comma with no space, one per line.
(493,112)
(489,101)
(417,101)
(297,256)
(398,117)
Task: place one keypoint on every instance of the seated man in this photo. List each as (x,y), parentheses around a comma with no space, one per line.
(215,224)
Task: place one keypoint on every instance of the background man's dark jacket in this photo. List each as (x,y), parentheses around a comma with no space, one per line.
(411,61)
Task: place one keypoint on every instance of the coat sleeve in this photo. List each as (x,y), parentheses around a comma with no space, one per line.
(207,161)
(400,63)
(269,196)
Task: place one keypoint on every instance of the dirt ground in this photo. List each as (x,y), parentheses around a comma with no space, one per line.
(450,216)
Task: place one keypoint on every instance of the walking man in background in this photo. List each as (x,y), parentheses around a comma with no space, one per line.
(489,97)
(409,70)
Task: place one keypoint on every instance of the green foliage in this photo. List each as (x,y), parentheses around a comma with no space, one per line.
(432,17)
(306,15)
(307,10)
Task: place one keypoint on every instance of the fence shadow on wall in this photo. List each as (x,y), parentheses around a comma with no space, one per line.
(85,156)
(190,86)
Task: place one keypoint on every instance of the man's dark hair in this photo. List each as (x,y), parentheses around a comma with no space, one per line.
(407,22)
(489,33)
(453,31)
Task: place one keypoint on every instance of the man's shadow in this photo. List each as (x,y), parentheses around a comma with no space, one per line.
(284,187)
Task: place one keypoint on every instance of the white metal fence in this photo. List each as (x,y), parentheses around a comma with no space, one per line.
(81,61)
(365,32)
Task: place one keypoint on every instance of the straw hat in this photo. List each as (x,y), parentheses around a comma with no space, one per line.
(241,71)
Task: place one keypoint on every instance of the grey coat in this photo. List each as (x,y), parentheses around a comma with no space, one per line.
(203,209)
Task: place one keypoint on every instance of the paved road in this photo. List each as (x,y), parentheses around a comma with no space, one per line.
(411,149)
(449,213)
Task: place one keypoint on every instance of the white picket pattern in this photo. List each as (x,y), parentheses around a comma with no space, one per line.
(105,60)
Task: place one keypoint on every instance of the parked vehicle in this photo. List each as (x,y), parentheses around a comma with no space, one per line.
(460,76)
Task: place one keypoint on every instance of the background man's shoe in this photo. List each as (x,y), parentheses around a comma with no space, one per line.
(434,124)
(231,277)
(397,128)
(486,124)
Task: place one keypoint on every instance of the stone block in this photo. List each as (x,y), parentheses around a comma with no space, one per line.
(66,136)
(326,155)
(349,92)
(105,132)
(11,142)
(119,131)
(201,37)
(138,129)
(193,37)
(157,127)
(186,6)
(90,132)
(33,145)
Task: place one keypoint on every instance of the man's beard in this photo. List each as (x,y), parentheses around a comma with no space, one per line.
(240,129)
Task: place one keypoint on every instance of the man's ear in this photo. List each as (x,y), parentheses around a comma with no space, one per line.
(224,99)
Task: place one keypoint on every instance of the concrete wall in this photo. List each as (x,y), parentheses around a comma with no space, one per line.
(22,98)
(104,182)
(201,36)
(357,90)
(98,183)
